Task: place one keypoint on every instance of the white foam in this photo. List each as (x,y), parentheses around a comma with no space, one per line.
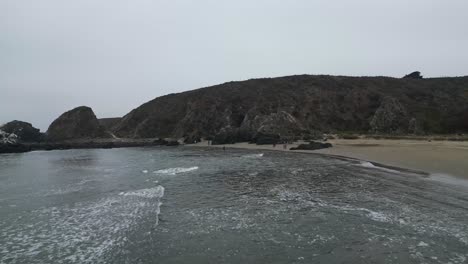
(377,216)
(253,156)
(144,171)
(66,189)
(174,171)
(446,178)
(304,199)
(156,192)
(367,164)
(69,234)
(423,244)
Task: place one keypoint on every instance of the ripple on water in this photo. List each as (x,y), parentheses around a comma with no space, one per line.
(174,171)
(70,233)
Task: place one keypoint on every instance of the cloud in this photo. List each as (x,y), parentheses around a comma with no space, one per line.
(115,55)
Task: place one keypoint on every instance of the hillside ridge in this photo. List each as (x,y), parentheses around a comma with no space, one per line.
(326,103)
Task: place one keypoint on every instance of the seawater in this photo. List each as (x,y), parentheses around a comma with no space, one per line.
(196,205)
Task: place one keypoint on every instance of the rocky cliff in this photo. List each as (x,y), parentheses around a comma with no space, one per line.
(300,105)
(109,123)
(23,130)
(78,123)
(10,143)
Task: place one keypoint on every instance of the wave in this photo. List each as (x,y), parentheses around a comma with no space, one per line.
(174,171)
(448,179)
(253,156)
(150,193)
(367,164)
(156,192)
(74,238)
(304,199)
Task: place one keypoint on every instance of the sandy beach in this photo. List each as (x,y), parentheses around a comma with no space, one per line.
(444,159)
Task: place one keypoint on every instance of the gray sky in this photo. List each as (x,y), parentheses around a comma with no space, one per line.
(114,55)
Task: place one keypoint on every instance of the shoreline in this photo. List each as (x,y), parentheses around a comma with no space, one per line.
(430,159)
(86,144)
(426,158)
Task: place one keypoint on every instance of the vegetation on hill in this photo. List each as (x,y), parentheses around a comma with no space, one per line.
(297,106)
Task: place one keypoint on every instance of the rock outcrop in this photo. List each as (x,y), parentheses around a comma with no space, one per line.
(10,143)
(298,106)
(8,138)
(390,117)
(312,146)
(23,130)
(281,124)
(414,75)
(78,123)
(227,135)
(109,123)
(414,127)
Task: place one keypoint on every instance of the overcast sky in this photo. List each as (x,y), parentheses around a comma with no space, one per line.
(114,55)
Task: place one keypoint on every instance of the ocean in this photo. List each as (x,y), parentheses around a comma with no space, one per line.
(205,205)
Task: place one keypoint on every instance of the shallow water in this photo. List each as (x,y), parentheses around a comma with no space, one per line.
(177,205)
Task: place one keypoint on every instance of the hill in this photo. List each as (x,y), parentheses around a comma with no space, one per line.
(78,123)
(295,106)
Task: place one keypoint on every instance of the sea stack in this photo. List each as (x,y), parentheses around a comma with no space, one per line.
(23,130)
(78,123)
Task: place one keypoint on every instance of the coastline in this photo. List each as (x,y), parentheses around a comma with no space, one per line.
(87,144)
(439,159)
(431,158)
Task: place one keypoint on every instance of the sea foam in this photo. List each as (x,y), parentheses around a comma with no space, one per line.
(174,171)
(448,179)
(253,156)
(85,233)
(367,164)
(156,192)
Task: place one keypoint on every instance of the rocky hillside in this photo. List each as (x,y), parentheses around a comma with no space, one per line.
(301,105)
(78,123)
(8,138)
(109,123)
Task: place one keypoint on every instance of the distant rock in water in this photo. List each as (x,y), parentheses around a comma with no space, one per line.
(414,75)
(79,123)
(312,146)
(24,131)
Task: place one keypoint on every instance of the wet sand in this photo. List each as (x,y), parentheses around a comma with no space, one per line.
(440,159)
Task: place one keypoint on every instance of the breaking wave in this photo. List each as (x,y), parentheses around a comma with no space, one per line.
(156,192)
(174,171)
(70,234)
(253,156)
(370,165)
(150,193)
(448,179)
